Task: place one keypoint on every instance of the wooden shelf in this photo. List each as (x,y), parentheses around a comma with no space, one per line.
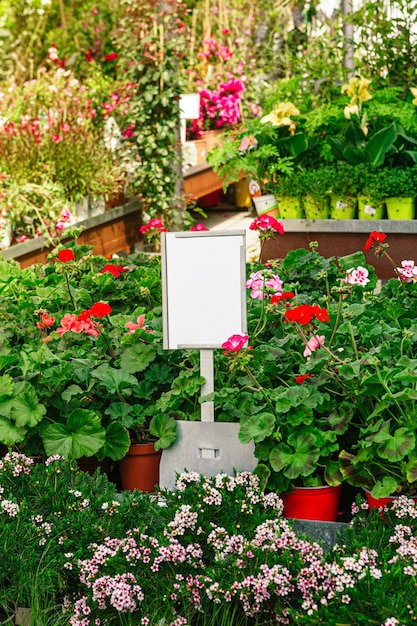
(200,180)
(111,232)
(342,237)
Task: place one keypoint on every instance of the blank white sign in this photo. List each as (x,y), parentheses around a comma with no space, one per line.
(203,282)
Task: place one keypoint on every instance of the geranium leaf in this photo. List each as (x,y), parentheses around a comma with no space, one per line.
(114,379)
(165,428)
(137,358)
(82,435)
(397,446)
(72,390)
(116,443)
(26,409)
(10,433)
(257,427)
(298,461)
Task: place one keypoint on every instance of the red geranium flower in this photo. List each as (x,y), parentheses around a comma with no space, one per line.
(300,379)
(286,295)
(305,313)
(153,224)
(116,270)
(100,309)
(84,315)
(66,255)
(376,237)
(111,57)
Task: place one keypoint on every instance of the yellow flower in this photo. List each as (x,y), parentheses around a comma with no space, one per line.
(357,90)
(351,109)
(280,116)
(363,93)
(414,92)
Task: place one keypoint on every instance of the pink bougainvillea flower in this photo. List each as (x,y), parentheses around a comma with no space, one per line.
(134,327)
(313,344)
(408,271)
(116,270)
(374,237)
(267,222)
(301,378)
(100,309)
(234,344)
(57,138)
(199,227)
(358,276)
(66,255)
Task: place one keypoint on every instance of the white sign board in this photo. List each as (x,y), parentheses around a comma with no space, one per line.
(203,288)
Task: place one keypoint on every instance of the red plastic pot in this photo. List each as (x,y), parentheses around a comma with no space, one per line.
(313,503)
(378,503)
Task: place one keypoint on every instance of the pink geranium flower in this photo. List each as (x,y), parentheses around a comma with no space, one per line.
(313,344)
(408,271)
(72,323)
(267,222)
(234,344)
(199,227)
(358,276)
(134,327)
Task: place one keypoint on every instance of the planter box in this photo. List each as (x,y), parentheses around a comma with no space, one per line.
(111,232)
(341,237)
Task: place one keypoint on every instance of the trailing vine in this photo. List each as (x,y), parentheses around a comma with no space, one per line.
(153,44)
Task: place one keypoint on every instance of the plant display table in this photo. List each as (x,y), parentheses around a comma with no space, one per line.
(341,237)
(115,230)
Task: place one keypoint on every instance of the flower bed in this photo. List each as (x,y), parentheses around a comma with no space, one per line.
(217,551)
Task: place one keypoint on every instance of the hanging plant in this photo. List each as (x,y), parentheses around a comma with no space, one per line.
(151,136)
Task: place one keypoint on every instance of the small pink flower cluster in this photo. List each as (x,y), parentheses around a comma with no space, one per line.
(16,463)
(263,284)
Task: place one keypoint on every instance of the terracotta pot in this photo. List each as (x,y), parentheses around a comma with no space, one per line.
(313,503)
(139,469)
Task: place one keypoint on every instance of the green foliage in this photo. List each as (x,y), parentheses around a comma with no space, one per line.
(78,394)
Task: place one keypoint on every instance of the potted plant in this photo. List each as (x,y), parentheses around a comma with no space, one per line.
(313,185)
(343,182)
(85,369)
(370,198)
(264,150)
(398,188)
(332,391)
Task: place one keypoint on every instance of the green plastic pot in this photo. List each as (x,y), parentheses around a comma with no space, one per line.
(369,209)
(316,209)
(290,208)
(343,208)
(400,208)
